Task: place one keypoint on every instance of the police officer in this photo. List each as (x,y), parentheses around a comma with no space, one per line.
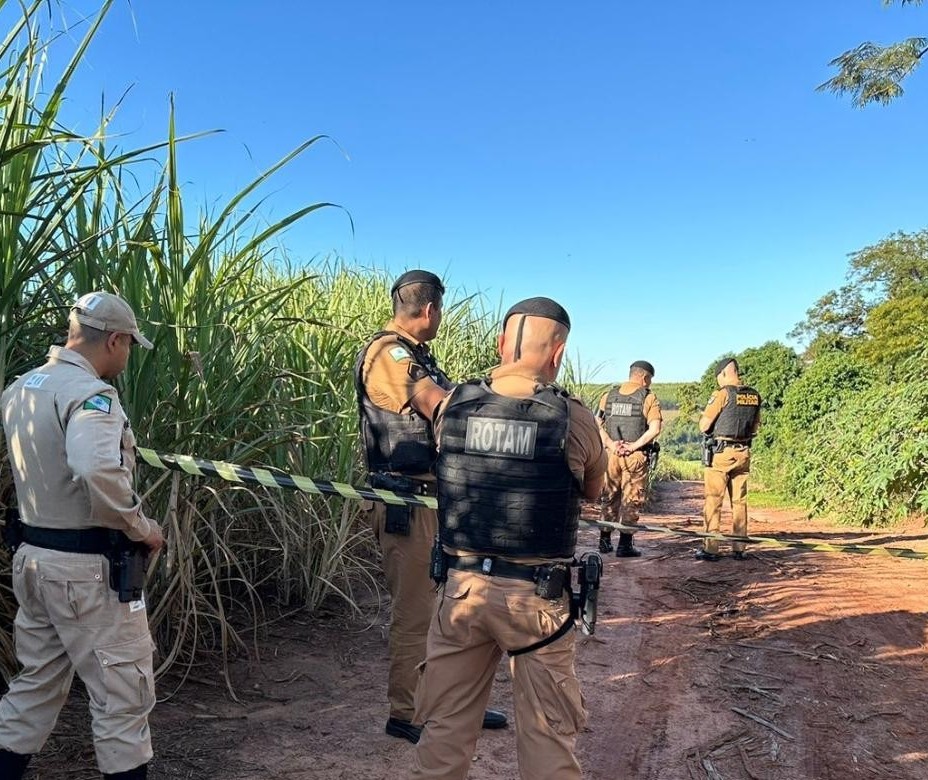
(630,422)
(72,456)
(398,385)
(730,421)
(516,454)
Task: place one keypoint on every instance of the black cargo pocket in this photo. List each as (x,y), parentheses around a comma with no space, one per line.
(128,675)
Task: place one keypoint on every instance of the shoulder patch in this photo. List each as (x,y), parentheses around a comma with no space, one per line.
(399,353)
(416,372)
(98,403)
(36,380)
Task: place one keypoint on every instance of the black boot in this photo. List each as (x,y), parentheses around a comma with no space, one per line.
(139,773)
(605,542)
(625,548)
(13,765)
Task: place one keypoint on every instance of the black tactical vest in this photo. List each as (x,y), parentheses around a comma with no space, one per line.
(400,443)
(624,414)
(504,484)
(738,415)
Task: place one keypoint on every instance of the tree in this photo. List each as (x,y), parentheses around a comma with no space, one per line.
(887,284)
(896,331)
(871,73)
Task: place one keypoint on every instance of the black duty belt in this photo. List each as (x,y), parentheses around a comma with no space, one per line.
(498,567)
(399,483)
(735,445)
(77,540)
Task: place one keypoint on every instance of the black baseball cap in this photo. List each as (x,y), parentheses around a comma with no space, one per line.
(720,366)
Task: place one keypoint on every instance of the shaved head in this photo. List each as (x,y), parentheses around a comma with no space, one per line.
(534,342)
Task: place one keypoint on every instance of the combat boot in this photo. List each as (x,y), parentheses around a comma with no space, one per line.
(605,542)
(13,765)
(625,549)
(139,773)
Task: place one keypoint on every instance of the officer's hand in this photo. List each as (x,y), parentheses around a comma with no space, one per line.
(155,539)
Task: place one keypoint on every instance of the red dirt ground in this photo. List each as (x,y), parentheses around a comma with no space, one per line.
(787,666)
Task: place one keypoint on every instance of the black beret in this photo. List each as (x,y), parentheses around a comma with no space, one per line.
(540,307)
(644,365)
(417,277)
(720,366)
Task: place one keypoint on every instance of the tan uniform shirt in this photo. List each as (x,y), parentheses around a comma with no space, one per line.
(651,409)
(392,377)
(585,454)
(390,373)
(71,448)
(717,402)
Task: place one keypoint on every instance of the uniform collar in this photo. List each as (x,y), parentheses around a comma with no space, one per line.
(65,355)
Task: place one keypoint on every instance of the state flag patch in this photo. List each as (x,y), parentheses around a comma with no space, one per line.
(98,403)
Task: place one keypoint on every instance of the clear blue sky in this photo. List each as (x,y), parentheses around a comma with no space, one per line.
(665,170)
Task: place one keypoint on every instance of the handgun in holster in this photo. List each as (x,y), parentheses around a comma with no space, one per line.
(709,446)
(12,529)
(438,564)
(398,515)
(590,572)
(128,566)
(654,451)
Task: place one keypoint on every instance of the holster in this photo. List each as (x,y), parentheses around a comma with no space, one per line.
(128,565)
(709,446)
(654,451)
(397,516)
(589,575)
(12,529)
(438,565)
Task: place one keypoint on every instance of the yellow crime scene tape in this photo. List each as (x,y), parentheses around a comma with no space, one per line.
(273,478)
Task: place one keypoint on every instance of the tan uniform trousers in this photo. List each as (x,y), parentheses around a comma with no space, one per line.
(477,618)
(728,474)
(69,620)
(626,488)
(412,593)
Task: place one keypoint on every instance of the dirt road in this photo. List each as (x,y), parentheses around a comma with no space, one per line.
(786,666)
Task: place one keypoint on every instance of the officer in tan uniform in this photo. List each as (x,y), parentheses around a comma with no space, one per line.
(398,385)
(72,455)
(516,454)
(730,421)
(630,422)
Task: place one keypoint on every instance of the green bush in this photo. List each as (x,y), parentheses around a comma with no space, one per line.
(866,462)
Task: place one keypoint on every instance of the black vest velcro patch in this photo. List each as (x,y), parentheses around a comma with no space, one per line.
(747,399)
(500,437)
(620,409)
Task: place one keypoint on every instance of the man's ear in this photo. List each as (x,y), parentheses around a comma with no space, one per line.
(112,340)
(500,340)
(558,355)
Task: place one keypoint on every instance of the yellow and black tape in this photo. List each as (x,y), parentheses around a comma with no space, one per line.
(254,475)
(230,472)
